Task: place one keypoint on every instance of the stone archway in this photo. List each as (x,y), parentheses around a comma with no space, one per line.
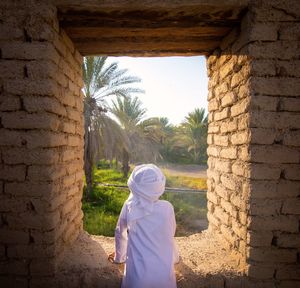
(253,55)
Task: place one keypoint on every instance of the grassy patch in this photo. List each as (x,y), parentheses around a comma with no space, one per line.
(102,212)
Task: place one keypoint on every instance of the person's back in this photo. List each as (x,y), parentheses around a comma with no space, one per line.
(151,248)
(145,232)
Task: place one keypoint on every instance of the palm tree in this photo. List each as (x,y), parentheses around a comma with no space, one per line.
(101,80)
(143,134)
(194,133)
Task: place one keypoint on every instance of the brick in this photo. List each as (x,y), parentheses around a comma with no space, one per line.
(215,175)
(265,207)
(276,86)
(29,51)
(26,156)
(243,121)
(75,141)
(42,205)
(222,115)
(288,272)
(15,267)
(261,67)
(261,272)
(10,138)
(31,251)
(23,120)
(9,103)
(12,205)
(41,69)
(12,69)
(34,221)
(229,208)
(210,139)
(212,151)
(292,172)
(222,215)
(223,192)
(238,202)
(228,153)
(240,108)
(272,255)
(12,173)
(221,140)
(272,189)
(44,139)
(42,267)
(46,172)
(213,198)
(264,171)
(229,126)
(273,154)
(10,32)
(32,189)
(279,120)
(288,68)
(288,240)
(69,99)
(239,168)
(228,99)
(43,87)
(283,50)
(265,103)
(213,105)
(213,220)
(291,206)
(13,236)
(262,136)
(259,239)
(230,181)
(240,138)
(69,127)
(289,31)
(263,32)
(74,114)
(223,166)
(273,223)
(40,104)
(221,89)
(292,138)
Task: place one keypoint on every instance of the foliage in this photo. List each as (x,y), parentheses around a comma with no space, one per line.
(101,213)
(102,134)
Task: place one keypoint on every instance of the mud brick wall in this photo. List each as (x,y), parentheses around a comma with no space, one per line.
(41,142)
(228,139)
(254,142)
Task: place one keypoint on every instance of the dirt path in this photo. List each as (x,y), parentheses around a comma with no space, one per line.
(203,263)
(195,171)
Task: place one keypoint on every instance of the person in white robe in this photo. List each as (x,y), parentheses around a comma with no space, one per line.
(144,236)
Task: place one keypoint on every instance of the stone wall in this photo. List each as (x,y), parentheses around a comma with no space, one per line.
(41,143)
(228,139)
(254,142)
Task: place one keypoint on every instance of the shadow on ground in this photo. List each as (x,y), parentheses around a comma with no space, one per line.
(203,263)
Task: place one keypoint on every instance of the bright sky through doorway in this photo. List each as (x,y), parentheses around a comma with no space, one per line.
(174,86)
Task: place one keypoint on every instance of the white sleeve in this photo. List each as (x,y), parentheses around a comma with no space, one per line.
(121,236)
(175,247)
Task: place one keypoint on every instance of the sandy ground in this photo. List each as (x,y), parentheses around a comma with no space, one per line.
(203,263)
(196,171)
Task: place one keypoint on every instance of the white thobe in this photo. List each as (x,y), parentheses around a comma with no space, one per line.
(147,247)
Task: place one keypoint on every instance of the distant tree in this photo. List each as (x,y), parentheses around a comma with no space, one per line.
(192,134)
(144,134)
(102,80)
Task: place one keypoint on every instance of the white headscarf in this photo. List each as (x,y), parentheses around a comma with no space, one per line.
(147,184)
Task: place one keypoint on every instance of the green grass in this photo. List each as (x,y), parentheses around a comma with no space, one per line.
(102,211)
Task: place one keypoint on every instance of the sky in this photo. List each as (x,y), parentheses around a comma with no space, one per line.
(174,86)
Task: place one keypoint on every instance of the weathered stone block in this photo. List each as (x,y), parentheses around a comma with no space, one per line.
(273,154)
(9,103)
(222,115)
(240,138)
(259,239)
(23,120)
(12,172)
(292,172)
(228,153)
(265,103)
(262,136)
(264,171)
(271,223)
(272,255)
(266,207)
(229,126)
(292,138)
(291,206)
(221,140)
(45,172)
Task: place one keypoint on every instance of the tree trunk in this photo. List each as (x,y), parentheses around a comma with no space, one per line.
(125,163)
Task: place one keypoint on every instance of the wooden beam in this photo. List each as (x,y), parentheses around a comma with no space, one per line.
(108,32)
(145,46)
